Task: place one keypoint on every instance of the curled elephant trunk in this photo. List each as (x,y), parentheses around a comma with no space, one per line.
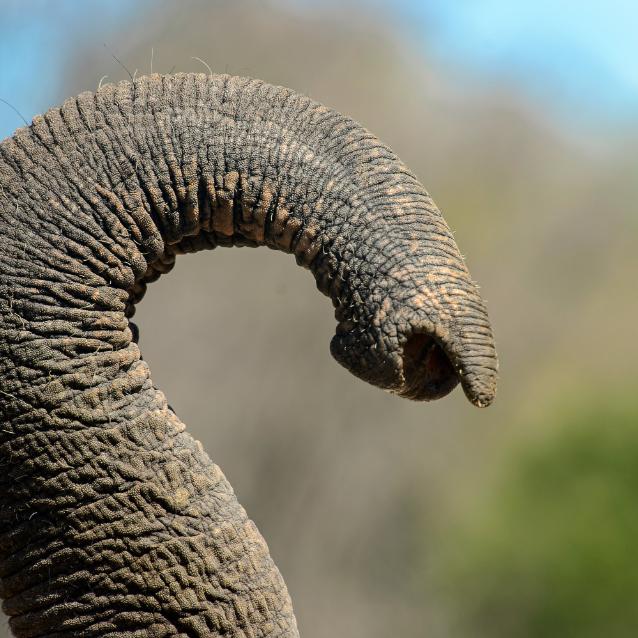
(113,520)
(421,326)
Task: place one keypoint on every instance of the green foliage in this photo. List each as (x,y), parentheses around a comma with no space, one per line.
(554,549)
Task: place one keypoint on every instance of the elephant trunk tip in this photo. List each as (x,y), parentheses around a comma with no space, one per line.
(432,366)
(428,373)
(421,360)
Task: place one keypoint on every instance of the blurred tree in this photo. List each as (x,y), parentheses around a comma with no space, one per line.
(553,549)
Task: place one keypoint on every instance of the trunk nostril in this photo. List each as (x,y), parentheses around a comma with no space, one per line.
(428,372)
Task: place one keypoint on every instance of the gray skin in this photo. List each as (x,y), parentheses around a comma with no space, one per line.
(113,520)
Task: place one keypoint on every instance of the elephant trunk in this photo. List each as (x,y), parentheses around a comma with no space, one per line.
(113,520)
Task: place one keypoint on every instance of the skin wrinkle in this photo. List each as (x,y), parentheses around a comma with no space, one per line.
(113,521)
(61,210)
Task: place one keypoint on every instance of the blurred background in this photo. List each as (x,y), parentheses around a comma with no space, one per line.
(386,517)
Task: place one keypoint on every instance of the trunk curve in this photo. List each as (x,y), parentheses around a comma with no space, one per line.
(114,521)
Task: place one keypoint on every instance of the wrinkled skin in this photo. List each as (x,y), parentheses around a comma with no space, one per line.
(114,521)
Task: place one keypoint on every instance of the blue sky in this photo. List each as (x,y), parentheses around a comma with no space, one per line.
(36,36)
(578,60)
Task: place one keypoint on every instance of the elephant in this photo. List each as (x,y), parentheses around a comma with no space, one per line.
(113,520)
